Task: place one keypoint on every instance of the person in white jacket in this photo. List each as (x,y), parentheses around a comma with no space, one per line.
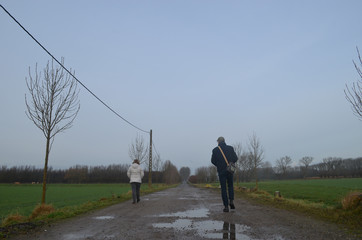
(135,174)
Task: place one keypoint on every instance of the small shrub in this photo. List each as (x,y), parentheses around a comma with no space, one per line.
(13,219)
(42,210)
(352,200)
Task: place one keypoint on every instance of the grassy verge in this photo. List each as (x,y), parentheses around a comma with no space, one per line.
(45,214)
(333,200)
(22,199)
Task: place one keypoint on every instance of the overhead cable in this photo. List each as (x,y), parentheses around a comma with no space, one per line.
(106,105)
(154,147)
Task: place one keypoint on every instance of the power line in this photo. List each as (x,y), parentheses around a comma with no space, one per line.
(154,147)
(51,55)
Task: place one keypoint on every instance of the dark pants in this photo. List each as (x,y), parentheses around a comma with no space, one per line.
(136,191)
(226,178)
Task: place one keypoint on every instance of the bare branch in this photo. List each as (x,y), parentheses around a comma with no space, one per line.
(354,94)
(54,102)
(256,154)
(138,150)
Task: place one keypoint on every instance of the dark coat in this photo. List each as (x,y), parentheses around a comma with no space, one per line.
(218,160)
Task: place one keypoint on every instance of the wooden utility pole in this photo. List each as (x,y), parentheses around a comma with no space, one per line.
(150,162)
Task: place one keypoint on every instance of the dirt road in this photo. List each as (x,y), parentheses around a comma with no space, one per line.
(187,212)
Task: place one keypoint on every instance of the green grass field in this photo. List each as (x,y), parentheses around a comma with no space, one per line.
(328,192)
(23,198)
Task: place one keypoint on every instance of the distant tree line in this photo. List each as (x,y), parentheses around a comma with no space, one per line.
(331,167)
(115,173)
(252,167)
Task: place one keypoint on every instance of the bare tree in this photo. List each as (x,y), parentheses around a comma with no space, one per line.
(256,154)
(170,173)
(202,174)
(157,163)
(305,162)
(354,94)
(332,165)
(185,173)
(138,150)
(283,165)
(246,166)
(53,105)
(213,177)
(238,150)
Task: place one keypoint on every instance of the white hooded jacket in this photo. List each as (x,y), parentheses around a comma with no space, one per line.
(135,173)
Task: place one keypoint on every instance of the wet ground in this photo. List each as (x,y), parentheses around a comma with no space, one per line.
(187,212)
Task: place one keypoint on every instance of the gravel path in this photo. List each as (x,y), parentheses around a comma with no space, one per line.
(187,212)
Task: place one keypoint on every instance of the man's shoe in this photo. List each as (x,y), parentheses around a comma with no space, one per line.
(232,206)
(226,209)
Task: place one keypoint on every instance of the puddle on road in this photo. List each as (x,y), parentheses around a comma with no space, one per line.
(222,230)
(79,236)
(104,217)
(194,213)
(190,221)
(209,229)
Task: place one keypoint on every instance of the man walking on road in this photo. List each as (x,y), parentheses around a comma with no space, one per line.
(225,176)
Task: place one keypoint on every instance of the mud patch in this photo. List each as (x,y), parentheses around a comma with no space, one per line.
(17,228)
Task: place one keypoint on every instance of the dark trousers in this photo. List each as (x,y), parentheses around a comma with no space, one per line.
(226,180)
(136,191)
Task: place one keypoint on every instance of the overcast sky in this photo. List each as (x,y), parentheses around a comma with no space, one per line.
(189,70)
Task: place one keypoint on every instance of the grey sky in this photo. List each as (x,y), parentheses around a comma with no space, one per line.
(190,71)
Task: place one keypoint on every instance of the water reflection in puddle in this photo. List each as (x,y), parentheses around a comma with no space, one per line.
(222,230)
(195,213)
(103,217)
(209,229)
(191,220)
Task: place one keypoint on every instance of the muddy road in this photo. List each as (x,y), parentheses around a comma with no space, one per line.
(187,212)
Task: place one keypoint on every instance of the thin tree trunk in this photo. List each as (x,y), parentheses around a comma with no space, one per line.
(238,176)
(45,170)
(256,178)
